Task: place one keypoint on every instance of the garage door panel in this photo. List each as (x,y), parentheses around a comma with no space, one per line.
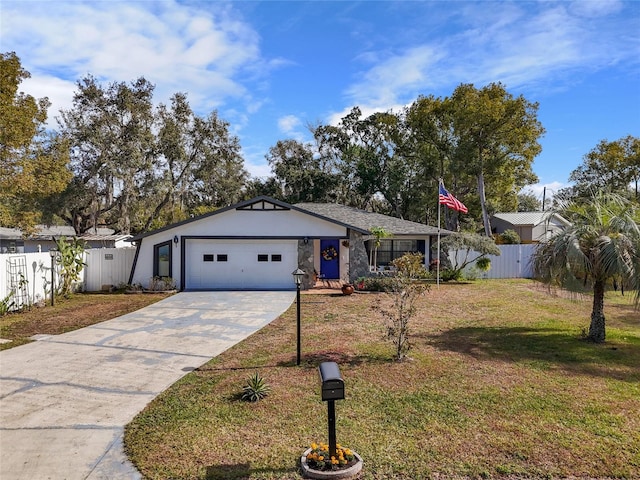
(241,264)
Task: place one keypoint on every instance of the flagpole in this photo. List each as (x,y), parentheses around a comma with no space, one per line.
(438,259)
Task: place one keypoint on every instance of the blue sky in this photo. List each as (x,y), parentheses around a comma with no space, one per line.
(272,68)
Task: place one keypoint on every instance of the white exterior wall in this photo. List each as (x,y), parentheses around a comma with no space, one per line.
(232,223)
(545,231)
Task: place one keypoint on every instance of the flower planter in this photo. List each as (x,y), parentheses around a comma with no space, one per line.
(350,471)
(347,289)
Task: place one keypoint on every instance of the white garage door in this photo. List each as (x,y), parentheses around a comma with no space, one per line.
(240,264)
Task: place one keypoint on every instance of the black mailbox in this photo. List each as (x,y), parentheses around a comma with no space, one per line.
(332,383)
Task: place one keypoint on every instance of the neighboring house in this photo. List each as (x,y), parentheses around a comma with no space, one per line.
(12,241)
(257,244)
(532,227)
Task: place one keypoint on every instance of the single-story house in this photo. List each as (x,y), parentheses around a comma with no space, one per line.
(258,243)
(532,227)
(13,241)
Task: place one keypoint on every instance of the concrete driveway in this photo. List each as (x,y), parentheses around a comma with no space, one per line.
(64,400)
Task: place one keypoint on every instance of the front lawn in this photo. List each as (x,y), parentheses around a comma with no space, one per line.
(500,384)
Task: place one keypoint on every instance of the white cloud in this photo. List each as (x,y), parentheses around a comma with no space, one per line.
(546,190)
(520,45)
(595,8)
(59,92)
(386,79)
(289,123)
(176,47)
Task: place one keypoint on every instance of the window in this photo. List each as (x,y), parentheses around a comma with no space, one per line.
(162,259)
(389,250)
(263,257)
(276,257)
(207,257)
(222,257)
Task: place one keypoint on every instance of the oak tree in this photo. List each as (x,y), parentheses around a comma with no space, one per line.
(33,162)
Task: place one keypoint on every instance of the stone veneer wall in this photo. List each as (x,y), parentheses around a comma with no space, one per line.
(305,263)
(358,260)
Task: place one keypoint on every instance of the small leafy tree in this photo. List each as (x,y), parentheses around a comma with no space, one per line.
(71,262)
(405,290)
(469,247)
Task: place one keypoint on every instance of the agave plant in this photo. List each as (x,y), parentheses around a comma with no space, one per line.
(255,389)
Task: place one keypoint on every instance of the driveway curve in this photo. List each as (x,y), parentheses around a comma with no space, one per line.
(65,399)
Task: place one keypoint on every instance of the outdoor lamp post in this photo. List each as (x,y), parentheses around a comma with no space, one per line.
(53,253)
(297,276)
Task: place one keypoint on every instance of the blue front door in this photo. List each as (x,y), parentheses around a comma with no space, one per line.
(330,258)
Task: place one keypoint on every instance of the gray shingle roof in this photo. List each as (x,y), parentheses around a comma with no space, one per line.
(529,218)
(45,232)
(364,220)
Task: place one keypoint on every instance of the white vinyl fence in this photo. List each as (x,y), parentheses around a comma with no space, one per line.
(107,267)
(26,278)
(514,261)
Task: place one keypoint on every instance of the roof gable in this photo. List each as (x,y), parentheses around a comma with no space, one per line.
(262,203)
(257,204)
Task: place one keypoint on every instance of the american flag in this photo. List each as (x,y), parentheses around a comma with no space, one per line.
(450,201)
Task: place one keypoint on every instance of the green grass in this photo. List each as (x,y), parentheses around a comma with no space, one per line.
(500,384)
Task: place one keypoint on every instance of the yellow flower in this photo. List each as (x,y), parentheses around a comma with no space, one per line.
(314,446)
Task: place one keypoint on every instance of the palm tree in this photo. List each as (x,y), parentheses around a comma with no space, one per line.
(378,234)
(602,244)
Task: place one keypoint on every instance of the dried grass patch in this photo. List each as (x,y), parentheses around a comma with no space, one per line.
(499,385)
(67,314)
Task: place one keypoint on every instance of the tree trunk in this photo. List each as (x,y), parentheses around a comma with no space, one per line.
(483,203)
(597,327)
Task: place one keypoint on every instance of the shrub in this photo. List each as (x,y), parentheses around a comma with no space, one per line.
(483,264)
(70,259)
(376,284)
(405,290)
(449,274)
(471,274)
(6,304)
(509,237)
(162,284)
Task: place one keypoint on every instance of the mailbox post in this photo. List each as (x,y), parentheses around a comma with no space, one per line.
(332,390)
